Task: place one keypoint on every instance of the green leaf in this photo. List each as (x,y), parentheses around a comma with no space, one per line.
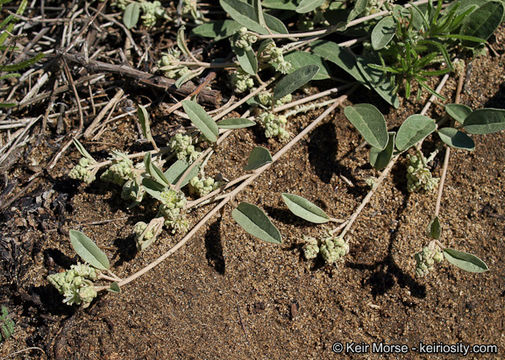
(370,123)
(303,208)
(379,159)
(458,112)
(155,171)
(187,76)
(177,169)
(23,64)
(456,139)
(483,22)
(381,82)
(217,30)
(414,129)
(235,123)
(114,288)
(82,150)
(201,120)
(280,4)
(434,229)
(485,121)
(88,251)
(153,188)
(247,60)
(465,261)
(383,33)
(306,6)
(145,123)
(359,7)
(256,222)
(181,42)
(131,15)
(295,80)
(247,16)
(258,157)
(299,59)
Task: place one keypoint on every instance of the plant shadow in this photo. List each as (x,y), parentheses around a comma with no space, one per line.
(214,247)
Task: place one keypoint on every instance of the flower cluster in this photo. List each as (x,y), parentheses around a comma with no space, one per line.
(419,177)
(201,186)
(273,55)
(83,171)
(173,210)
(152,11)
(426,259)
(76,284)
(266,98)
(120,171)
(241,81)
(190,9)
(331,249)
(243,40)
(169,64)
(275,125)
(183,146)
(375,6)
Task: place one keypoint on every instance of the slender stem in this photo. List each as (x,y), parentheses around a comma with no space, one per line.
(232,194)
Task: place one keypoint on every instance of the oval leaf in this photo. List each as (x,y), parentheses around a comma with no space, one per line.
(201,120)
(306,6)
(303,208)
(131,15)
(247,60)
(255,222)
(299,59)
(414,128)
(465,261)
(383,33)
(434,229)
(458,112)
(370,123)
(258,157)
(295,80)
(88,251)
(379,159)
(247,16)
(456,139)
(217,30)
(483,22)
(485,121)
(235,123)
(114,287)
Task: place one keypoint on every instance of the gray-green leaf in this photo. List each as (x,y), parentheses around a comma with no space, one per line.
(114,287)
(465,261)
(299,59)
(370,123)
(483,22)
(456,139)
(256,222)
(303,208)
(88,251)
(235,123)
(458,112)
(145,123)
(258,157)
(306,6)
(379,159)
(82,150)
(295,80)
(383,33)
(485,121)
(177,169)
(414,128)
(201,120)
(131,15)
(247,16)
(217,30)
(247,60)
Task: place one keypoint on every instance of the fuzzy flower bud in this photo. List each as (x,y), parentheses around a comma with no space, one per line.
(173,210)
(82,171)
(419,177)
(120,171)
(311,247)
(275,125)
(75,284)
(426,259)
(333,249)
(201,186)
(183,146)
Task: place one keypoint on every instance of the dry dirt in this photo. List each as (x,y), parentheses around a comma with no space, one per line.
(227,295)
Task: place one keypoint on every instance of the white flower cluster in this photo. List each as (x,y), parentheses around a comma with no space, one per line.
(152,11)
(120,171)
(82,171)
(76,284)
(266,98)
(143,238)
(426,259)
(169,64)
(173,210)
(331,249)
(375,6)
(121,4)
(419,177)
(241,81)
(275,125)
(201,186)
(273,55)
(242,39)
(183,146)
